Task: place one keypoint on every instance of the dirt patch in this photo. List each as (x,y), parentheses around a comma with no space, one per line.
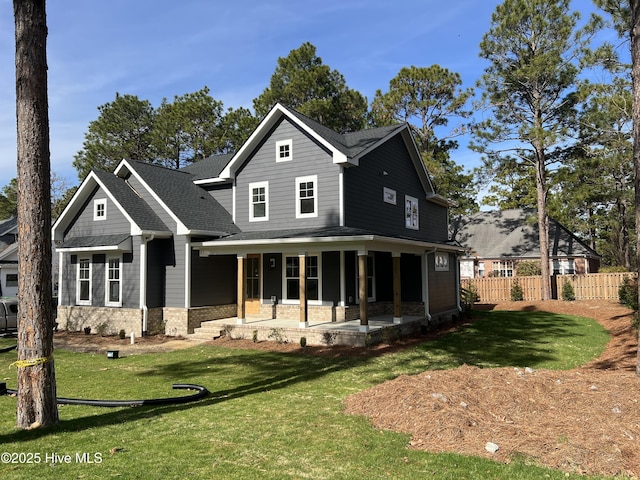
(584,420)
(80,342)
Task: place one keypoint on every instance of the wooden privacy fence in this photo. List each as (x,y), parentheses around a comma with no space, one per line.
(592,286)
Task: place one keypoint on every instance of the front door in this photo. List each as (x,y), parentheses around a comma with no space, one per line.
(253,284)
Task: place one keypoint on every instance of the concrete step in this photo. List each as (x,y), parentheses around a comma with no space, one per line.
(207,331)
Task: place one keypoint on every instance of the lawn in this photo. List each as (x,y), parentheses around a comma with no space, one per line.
(272,415)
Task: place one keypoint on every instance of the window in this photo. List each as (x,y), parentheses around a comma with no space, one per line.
(100,209)
(560,267)
(114,283)
(441,262)
(258,201)
(481,269)
(411,212)
(284,150)
(292,278)
(83,290)
(12,279)
(502,269)
(307,196)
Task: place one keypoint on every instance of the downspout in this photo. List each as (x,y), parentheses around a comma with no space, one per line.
(143,282)
(425,288)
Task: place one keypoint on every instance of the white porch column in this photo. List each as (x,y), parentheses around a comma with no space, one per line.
(397,289)
(187,274)
(425,284)
(304,305)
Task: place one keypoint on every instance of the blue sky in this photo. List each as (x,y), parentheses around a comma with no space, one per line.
(158,49)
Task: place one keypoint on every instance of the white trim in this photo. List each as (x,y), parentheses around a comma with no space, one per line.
(99,214)
(60,266)
(341,195)
(90,280)
(107,288)
(252,186)
(296,301)
(307,179)
(187,274)
(279,145)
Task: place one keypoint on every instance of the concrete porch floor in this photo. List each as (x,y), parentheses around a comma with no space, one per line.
(316,333)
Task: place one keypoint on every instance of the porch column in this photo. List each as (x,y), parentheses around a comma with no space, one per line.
(242,288)
(302,275)
(363,291)
(397,290)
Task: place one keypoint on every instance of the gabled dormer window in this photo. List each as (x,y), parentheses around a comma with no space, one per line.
(100,209)
(284,150)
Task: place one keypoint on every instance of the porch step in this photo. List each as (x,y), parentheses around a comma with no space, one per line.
(207,331)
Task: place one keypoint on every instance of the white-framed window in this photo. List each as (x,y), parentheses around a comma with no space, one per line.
(565,266)
(480,269)
(284,150)
(113,290)
(502,268)
(100,209)
(292,277)
(307,196)
(411,213)
(371,279)
(83,287)
(258,201)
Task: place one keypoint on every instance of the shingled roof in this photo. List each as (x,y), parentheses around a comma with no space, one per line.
(193,206)
(514,233)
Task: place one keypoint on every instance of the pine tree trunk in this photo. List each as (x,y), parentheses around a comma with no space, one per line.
(635,74)
(36,375)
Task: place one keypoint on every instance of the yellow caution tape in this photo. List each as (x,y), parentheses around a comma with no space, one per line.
(30,363)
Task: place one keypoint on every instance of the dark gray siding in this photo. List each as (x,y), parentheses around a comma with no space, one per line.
(67,289)
(223,194)
(84,225)
(213,280)
(308,158)
(331,277)
(390,166)
(175,275)
(411,278)
(159,254)
(272,277)
(442,286)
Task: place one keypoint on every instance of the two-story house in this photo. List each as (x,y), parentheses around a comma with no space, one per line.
(300,223)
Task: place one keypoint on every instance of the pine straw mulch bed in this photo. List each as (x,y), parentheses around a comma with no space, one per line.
(584,420)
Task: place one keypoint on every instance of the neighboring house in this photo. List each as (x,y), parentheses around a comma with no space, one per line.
(497,241)
(9,257)
(301,223)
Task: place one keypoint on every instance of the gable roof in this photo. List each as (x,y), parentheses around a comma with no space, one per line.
(141,217)
(511,233)
(345,149)
(193,209)
(208,167)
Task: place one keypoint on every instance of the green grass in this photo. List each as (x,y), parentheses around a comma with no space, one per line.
(271,415)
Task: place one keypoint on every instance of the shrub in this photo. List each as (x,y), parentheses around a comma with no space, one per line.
(303,342)
(255,336)
(567,291)
(528,268)
(122,334)
(628,293)
(517,294)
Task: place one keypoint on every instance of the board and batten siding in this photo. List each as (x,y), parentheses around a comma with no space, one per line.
(308,158)
(85,226)
(390,166)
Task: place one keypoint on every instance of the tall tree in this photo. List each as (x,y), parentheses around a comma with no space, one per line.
(428,98)
(301,81)
(187,130)
(122,130)
(533,48)
(9,199)
(635,75)
(37,404)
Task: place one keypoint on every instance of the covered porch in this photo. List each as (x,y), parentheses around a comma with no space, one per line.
(382,328)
